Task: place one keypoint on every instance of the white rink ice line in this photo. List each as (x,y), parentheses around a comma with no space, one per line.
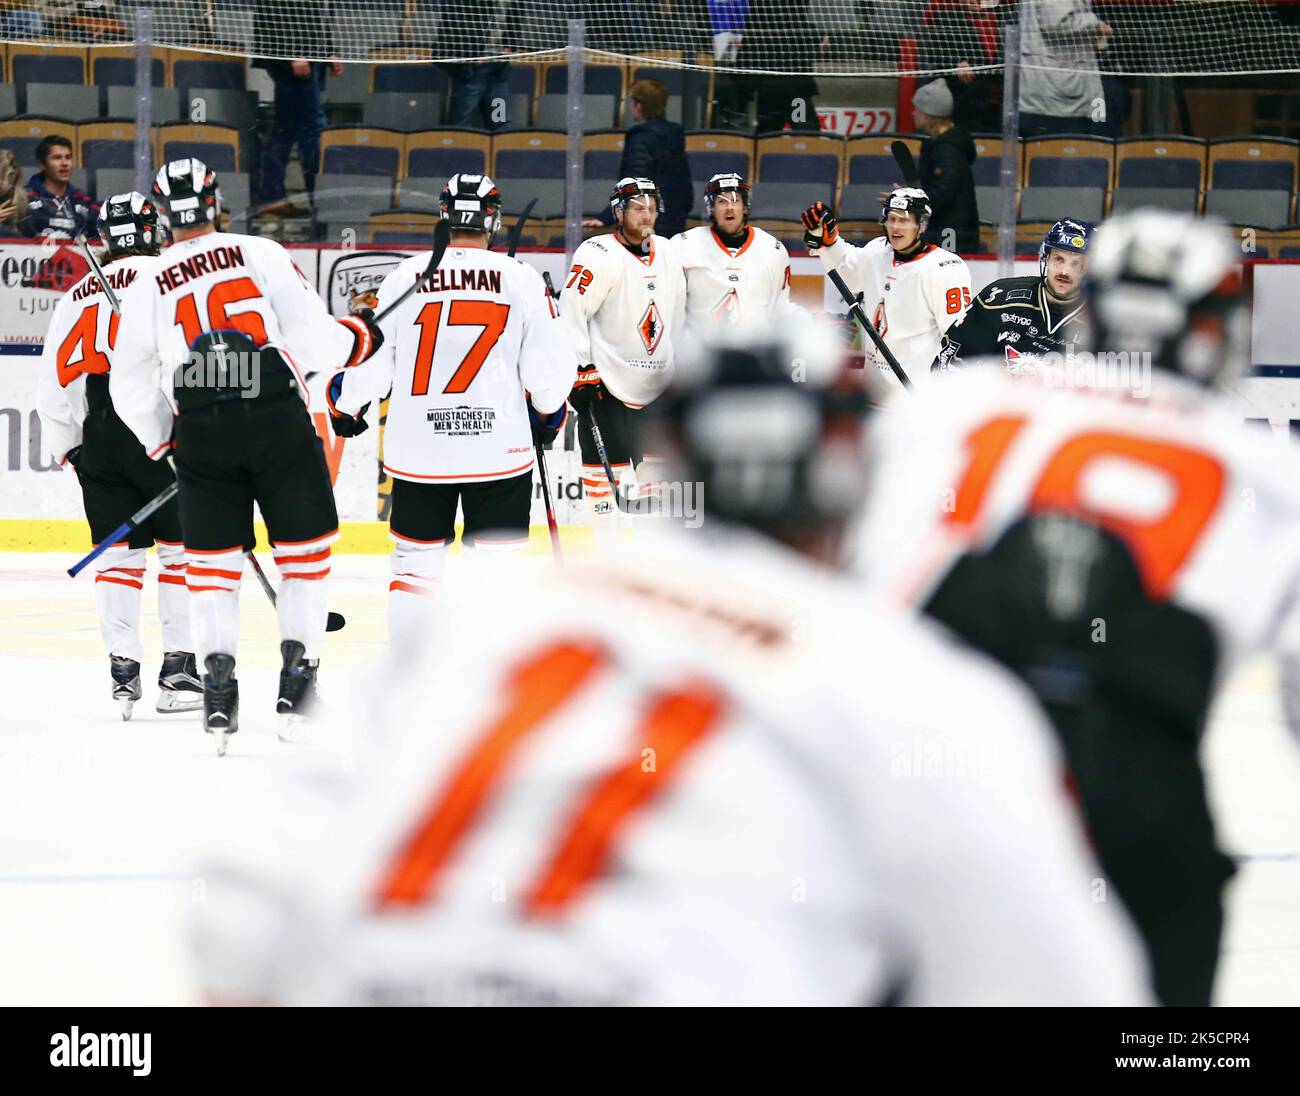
(98,817)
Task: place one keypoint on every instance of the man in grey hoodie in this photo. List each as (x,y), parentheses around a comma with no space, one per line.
(1060,87)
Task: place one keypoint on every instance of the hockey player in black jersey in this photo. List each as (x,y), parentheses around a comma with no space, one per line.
(1021,320)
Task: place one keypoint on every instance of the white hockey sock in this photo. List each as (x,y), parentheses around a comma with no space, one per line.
(173,597)
(302,604)
(119,580)
(417,572)
(604,511)
(212,579)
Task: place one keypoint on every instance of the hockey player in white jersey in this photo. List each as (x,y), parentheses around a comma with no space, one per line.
(81,428)
(911,291)
(689,773)
(1122,554)
(735,273)
(624,305)
(214,341)
(476,360)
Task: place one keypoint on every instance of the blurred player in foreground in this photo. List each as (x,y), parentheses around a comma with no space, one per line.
(689,774)
(117,477)
(1121,546)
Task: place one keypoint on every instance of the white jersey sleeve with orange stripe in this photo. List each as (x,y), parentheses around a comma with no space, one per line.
(623,312)
(458,356)
(220,281)
(911,303)
(1208,506)
(672,779)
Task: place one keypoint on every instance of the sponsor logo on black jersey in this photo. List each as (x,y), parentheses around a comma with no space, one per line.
(1020,295)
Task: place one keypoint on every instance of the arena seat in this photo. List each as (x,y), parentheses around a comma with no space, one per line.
(598,112)
(165,106)
(690,91)
(711,152)
(404,111)
(44,65)
(209,72)
(529,154)
(216,146)
(109,144)
(75,101)
(21,135)
(441,153)
(987,171)
(410,79)
(1252,181)
(1163,172)
(869,162)
(356,150)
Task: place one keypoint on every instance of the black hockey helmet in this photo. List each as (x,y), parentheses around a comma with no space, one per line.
(908,199)
(187,194)
(771,423)
(726,182)
(471,203)
(1065,235)
(627,189)
(128,225)
(1169,285)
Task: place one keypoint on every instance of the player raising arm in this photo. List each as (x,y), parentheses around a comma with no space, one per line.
(470,358)
(235,325)
(117,478)
(623,304)
(911,291)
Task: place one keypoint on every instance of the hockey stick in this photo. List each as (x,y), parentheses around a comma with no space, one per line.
(512,244)
(441,237)
(126,528)
(907,165)
(538,449)
(114,303)
(333,622)
(590,419)
(855,310)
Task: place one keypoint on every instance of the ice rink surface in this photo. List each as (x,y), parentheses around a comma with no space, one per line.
(98,818)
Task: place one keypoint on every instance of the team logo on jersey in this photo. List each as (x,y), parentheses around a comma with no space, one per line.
(727,310)
(992,294)
(651,328)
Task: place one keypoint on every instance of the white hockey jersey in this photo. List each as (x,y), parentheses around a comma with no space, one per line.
(623,313)
(213,282)
(730,287)
(1208,507)
(911,303)
(459,355)
(79,343)
(683,776)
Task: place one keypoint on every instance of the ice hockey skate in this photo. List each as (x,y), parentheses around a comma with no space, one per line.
(298,698)
(179,687)
(220,699)
(126,683)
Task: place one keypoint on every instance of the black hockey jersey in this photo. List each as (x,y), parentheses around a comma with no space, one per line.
(1010,319)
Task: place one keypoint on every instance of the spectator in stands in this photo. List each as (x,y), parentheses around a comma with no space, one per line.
(655,148)
(55,208)
(1060,86)
(18,19)
(480,90)
(959,36)
(300,30)
(947,154)
(777,35)
(13,199)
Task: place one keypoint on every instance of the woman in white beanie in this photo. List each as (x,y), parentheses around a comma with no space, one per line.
(945,167)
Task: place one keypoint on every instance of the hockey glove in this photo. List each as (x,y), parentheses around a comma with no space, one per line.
(587,389)
(343,424)
(546,427)
(820,228)
(367,338)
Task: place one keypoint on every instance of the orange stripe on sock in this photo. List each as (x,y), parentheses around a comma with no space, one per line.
(214,572)
(172,580)
(311,576)
(120,581)
(222,589)
(310,557)
(406,588)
